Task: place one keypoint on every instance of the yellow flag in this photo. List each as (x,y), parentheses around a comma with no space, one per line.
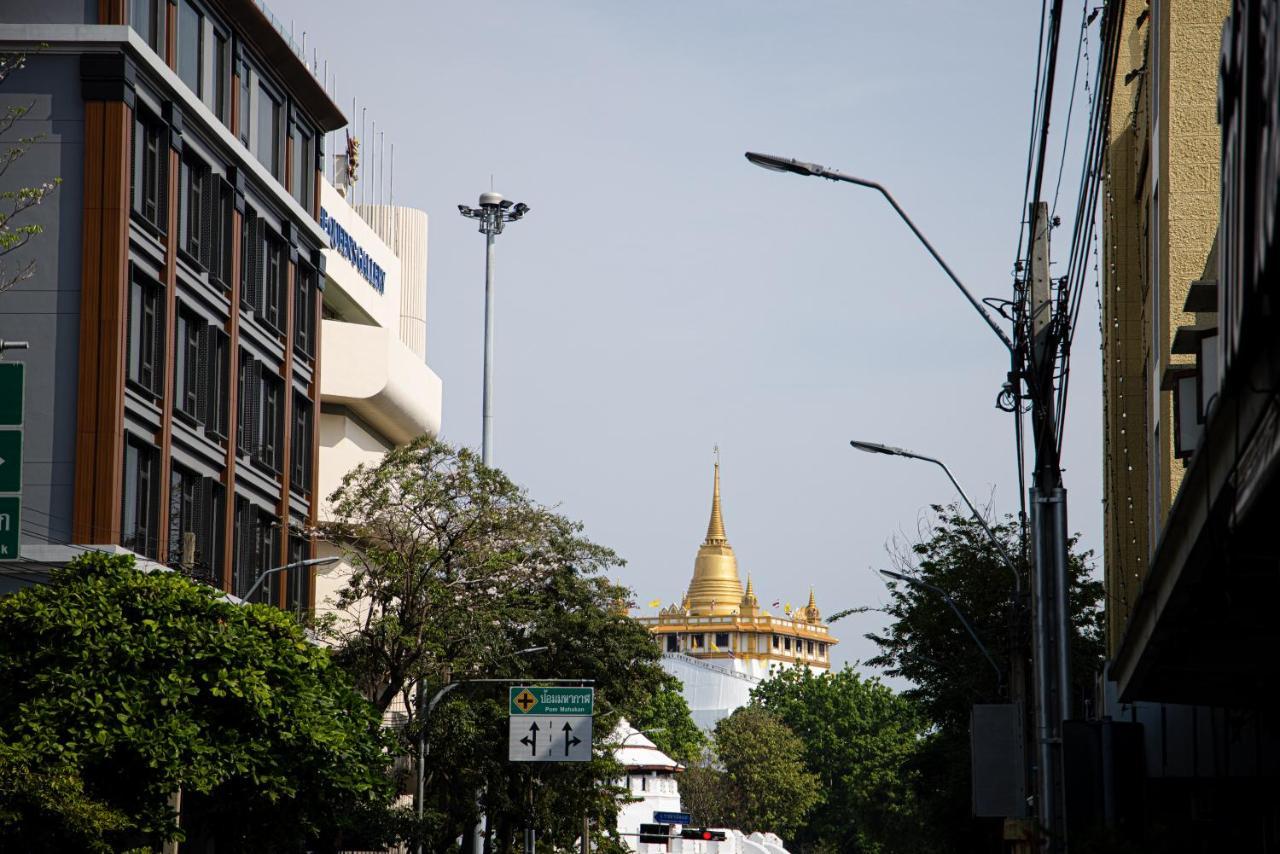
(656,603)
(715,648)
(787,608)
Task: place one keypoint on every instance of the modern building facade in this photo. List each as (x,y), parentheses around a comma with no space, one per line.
(173,402)
(720,642)
(1191,357)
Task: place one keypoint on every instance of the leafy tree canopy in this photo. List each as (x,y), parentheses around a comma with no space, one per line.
(119,688)
(859,738)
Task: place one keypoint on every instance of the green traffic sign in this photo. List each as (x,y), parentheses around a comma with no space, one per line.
(10,460)
(9,527)
(552,701)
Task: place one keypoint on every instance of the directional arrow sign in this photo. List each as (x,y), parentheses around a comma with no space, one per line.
(549,738)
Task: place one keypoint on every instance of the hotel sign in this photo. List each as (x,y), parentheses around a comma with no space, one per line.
(341,241)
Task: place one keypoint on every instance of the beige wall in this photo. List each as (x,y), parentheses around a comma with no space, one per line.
(1160,216)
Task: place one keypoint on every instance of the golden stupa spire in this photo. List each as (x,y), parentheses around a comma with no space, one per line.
(715,588)
(715,528)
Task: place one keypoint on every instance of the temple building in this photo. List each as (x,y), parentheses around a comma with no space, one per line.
(720,642)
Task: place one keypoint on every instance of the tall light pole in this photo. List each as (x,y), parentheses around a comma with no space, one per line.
(1041,333)
(493,214)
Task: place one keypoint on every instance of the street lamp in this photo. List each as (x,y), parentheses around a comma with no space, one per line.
(301,564)
(889,450)
(424,746)
(799,167)
(493,214)
(916,582)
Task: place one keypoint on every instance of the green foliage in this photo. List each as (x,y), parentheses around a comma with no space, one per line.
(122,687)
(456,570)
(666,721)
(17,202)
(860,739)
(927,645)
(764,781)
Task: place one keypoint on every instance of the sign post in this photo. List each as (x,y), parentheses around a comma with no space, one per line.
(12,376)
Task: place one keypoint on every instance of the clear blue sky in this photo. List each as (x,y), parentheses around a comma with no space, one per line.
(664,296)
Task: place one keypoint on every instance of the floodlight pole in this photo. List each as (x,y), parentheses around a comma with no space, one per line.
(493,213)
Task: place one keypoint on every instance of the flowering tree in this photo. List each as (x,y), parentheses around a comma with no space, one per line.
(16,202)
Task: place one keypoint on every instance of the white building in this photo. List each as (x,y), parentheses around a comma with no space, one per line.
(376,390)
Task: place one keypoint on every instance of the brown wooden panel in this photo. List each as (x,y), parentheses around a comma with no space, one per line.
(165,437)
(90,280)
(286,434)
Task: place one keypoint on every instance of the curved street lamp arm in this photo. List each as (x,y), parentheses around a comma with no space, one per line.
(991,535)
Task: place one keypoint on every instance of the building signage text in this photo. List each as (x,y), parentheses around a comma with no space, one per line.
(346,246)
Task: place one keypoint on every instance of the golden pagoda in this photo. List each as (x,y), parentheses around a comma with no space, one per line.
(717,619)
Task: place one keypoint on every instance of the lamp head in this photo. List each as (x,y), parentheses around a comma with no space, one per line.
(491,199)
(783,164)
(876,448)
(897,576)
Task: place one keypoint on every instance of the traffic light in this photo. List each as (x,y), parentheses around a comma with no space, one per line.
(658,834)
(703,833)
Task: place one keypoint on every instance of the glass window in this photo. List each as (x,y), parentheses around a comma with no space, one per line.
(722,641)
(302,167)
(274,275)
(673,643)
(245,108)
(190,367)
(298,585)
(195,210)
(147,17)
(138,516)
(304,311)
(219,99)
(216,394)
(146,335)
(272,410)
(300,446)
(195,525)
(269,131)
(149,174)
(191,46)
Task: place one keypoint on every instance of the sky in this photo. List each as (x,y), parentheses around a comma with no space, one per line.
(664,296)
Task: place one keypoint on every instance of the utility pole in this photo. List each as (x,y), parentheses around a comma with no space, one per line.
(1051,627)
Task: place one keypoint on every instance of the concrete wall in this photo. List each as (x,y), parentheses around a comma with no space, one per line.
(45,309)
(1160,217)
(49,11)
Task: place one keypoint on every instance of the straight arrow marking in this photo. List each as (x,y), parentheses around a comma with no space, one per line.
(532,739)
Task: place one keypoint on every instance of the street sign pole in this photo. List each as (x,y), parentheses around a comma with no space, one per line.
(12,380)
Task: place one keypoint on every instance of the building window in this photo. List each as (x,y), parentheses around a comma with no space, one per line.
(195,524)
(150,170)
(191,367)
(261,410)
(219,254)
(786,644)
(300,447)
(696,641)
(275,271)
(270,132)
(191,47)
(298,584)
(776,641)
(139,506)
(822,650)
(245,110)
(195,210)
(257,547)
(303,165)
(808,647)
(217,390)
(722,640)
(147,17)
(219,99)
(673,643)
(251,236)
(304,311)
(146,335)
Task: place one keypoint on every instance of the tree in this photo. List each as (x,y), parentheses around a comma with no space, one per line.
(764,768)
(860,739)
(447,555)
(16,202)
(667,722)
(456,569)
(120,687)
(928,645)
